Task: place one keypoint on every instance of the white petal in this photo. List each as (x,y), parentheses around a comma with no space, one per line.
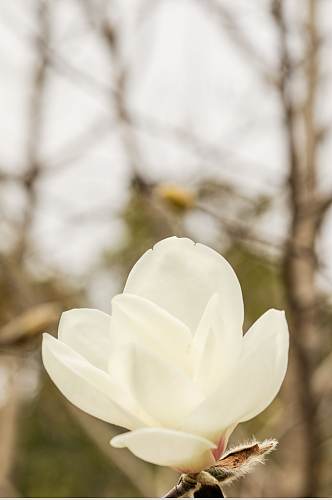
(253,385)
(180,450)
(181,276)
(215,348)
(85,386)
(137,320)
(266,343)
(87,331)
(161,389)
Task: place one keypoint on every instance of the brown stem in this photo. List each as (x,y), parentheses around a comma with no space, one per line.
(186,483)
(209,491)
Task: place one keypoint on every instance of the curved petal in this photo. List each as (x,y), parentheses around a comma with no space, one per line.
(87,331)
(85,386)
(159,388)
(181,276)
(215,348)
(180,450)
(267,342)
(252,385)
(137,320)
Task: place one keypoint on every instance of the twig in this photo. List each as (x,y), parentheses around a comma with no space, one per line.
(236,463)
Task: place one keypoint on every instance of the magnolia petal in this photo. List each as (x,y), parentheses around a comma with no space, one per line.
(123,372)
(215,348)
(266,343)
(181,276)
(87,331)
(180,450)
(159,388)
(252,385)
(85,386)
(137,320)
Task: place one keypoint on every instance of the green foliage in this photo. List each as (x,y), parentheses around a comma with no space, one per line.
(57,459)
(260,280)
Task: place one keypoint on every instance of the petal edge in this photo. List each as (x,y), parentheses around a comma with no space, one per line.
(167,447)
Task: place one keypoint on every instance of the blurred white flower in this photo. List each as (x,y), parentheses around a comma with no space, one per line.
(171,364)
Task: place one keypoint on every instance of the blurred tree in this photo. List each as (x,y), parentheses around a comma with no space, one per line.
(57,459)
(47,447)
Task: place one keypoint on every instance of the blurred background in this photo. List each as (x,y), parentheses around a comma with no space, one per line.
(126,121)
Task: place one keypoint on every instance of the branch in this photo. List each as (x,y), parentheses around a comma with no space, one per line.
(8,412)
(34,129)
(239,230)
(324,205)
(29,324)
(236,463)
(228,23)
(110,35)
(300,260)
(77,148)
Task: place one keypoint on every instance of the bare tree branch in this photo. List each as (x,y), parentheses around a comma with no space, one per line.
(229,24)
(29,324)
(8,412)
(299,265)
(34,129)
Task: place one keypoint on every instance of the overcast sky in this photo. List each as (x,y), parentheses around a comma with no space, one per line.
(184,72)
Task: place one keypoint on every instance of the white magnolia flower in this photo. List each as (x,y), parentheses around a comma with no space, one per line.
(171,363)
